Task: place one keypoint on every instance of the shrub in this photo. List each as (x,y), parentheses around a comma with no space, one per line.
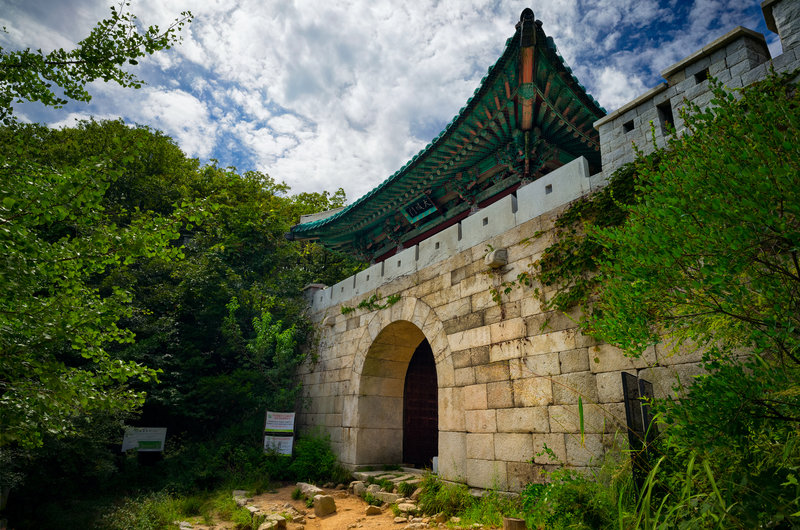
(147,512)
(438,496)
(406,489)
(313,459)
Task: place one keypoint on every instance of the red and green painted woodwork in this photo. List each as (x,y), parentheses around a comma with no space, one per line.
(529,116)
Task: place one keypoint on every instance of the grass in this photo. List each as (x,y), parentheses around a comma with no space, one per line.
(371,499)
(406,489)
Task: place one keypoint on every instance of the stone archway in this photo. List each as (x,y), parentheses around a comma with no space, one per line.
(373,409)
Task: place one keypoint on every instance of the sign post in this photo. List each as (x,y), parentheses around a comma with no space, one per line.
(144,439)
(279,432)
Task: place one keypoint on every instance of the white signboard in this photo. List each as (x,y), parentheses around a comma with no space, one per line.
(280,444)
(278,432)
(149,439)
(279,422)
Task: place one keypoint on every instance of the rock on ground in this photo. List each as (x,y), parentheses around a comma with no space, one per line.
(324,505)
(309,490)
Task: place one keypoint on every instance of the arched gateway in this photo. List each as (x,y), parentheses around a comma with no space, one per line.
(400,363)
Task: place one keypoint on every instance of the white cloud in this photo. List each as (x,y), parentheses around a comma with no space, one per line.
(329,94)
(617,87)
(182,116)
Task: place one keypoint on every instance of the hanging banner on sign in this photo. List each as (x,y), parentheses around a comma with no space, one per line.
(279,432)
(279,444)
(144,439)
(279,422)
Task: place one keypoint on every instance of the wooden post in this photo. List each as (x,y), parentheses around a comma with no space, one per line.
(511,523)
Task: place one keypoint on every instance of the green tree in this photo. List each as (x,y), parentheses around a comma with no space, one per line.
(119,40)
(708,258)
(56,320)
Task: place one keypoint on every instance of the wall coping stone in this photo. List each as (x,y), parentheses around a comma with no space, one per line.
(734,34)
(766,9)
(631,104)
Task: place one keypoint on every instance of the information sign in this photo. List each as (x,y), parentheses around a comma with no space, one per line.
(279,432)
(279,422)
(146,439)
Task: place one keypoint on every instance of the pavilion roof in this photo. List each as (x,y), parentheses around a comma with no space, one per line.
(528,116)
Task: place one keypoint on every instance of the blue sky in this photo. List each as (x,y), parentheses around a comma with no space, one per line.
(323,94)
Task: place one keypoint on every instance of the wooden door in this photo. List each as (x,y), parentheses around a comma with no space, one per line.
(421,409)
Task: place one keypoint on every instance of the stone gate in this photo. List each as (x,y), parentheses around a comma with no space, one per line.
(415,348)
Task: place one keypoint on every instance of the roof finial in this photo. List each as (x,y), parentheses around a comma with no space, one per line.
(525,16)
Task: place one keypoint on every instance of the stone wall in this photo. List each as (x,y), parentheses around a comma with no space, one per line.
(509,375)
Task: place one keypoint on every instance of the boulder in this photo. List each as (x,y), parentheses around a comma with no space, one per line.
(309,490)
(324,505)
(279,520)
(400,520)
(407,507)
(372,510)
(388,498)
(358,488)
(240,497)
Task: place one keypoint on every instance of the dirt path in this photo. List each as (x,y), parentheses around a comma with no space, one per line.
(350,512)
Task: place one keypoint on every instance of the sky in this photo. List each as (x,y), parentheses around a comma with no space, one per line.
(342,93)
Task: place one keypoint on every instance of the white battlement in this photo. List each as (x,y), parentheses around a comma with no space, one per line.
(555,189)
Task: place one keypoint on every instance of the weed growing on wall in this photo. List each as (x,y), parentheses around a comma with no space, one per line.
(372,303)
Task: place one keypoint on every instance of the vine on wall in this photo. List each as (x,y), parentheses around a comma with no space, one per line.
(570,264)
(372,303)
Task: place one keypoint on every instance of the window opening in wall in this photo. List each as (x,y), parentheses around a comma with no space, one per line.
(627,126)
(485,221)
(398,263)
(548,189)
(367,277)
(436,247)
(665,117)
(701,76)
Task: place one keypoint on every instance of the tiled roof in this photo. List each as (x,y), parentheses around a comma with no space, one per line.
(528,115)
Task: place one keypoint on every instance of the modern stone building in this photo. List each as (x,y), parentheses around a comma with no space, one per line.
(429,365)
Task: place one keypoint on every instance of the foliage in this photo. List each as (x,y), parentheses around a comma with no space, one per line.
(406,488)
(709,257)
(700,248)
(372,303)
(490,508)
(314,461)
(223,328)
(56,320)
(147,512)
(28,75)
(447,498)
(371,499)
